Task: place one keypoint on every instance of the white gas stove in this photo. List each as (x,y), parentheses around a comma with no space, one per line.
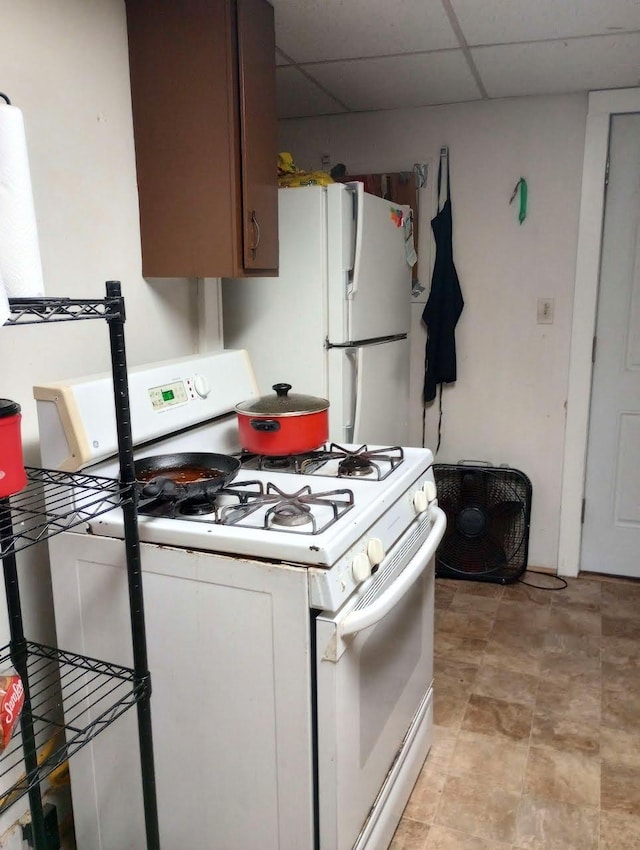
(304,587)
(305,512)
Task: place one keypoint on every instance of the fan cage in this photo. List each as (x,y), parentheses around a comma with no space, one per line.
(488,513)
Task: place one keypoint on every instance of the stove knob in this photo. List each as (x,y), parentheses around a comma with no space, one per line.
(201,386)
(430,491)
(420,502)
(361,567)
(375,551)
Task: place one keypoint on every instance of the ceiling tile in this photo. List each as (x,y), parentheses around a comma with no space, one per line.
(398,81)
(500,21)
(557,67)
(298,97)
(316,30)
(281,59)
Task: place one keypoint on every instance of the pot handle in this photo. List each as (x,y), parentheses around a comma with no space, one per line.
(264,424)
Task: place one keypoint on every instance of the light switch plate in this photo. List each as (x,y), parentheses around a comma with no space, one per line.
(545,311)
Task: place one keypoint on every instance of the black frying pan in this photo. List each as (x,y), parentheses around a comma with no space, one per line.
(188,475)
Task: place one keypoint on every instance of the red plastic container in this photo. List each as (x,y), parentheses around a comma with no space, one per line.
(13,478)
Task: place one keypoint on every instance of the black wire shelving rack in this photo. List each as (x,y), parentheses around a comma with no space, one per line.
(70,698)
(55,501)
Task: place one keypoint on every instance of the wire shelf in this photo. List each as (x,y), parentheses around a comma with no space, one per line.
(27,311)
(69,698)
(55,501)
(73,699)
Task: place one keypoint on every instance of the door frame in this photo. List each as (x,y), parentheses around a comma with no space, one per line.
(602,105)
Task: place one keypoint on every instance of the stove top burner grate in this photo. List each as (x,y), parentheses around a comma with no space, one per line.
(202,507)
(252,504)
(292,511)
(273,463)
(355,465)
(363,462)
(369,464)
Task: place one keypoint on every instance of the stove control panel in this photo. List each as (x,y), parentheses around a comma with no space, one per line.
(420,501)
(364,562)
(168,395)
(201,385)
(361,567)
(375,551)
(78,421)
(430,491)
(179,392)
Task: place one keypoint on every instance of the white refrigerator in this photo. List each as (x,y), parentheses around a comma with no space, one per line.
(335,322)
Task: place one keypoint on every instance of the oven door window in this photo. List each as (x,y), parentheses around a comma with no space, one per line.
(370,686)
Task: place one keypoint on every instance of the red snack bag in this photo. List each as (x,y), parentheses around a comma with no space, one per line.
(11,702)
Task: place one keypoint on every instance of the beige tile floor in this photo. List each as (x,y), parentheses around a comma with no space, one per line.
(537,720)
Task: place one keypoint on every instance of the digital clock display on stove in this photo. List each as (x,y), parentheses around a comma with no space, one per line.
(168,395)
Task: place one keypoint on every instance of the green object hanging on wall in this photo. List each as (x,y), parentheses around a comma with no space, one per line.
(522,186)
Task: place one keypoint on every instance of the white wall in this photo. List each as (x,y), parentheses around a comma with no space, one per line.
(508,405)
(64,64)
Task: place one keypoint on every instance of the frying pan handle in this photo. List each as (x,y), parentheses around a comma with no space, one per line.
(265,424)
(160,487)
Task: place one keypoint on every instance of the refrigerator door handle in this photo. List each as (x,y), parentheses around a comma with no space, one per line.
(352,385)
(359,343)
(357,190)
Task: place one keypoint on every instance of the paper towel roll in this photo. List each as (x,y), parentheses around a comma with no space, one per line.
(20,266)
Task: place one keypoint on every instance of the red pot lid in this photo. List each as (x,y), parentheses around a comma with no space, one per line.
(283,403)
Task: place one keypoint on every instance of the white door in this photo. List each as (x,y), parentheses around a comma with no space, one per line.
(611,532)
(379,289)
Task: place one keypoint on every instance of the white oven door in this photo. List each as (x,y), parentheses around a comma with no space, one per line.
(374,665)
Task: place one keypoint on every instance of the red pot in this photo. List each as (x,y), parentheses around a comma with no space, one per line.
(13,478)
(284,423)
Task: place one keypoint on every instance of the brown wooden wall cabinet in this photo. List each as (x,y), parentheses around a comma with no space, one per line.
(204,118)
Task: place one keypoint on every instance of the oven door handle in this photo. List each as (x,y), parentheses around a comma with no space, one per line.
(357,620)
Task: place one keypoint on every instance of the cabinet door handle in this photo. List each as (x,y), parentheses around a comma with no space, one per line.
(256,231)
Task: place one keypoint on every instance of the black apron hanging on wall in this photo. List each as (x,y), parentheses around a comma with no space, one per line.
(445,303)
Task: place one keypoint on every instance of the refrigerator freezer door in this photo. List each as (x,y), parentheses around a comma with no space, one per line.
(282,321)
(378,287)
(369,394)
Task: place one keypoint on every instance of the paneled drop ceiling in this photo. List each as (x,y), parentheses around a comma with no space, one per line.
(339,56)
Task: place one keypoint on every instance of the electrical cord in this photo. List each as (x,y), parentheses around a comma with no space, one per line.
(542,587)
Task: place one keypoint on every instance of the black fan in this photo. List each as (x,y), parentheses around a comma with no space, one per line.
(488,513)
